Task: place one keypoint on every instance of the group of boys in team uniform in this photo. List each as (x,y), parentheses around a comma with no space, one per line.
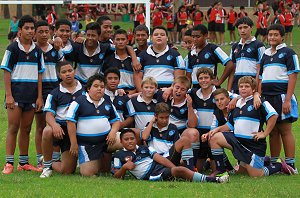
(160,115)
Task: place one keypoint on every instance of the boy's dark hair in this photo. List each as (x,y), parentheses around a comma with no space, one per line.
(221,91)
(103,18)
(62,22)
(51,27)
(41,23)
(120,31)
(160,28)
(201,28)
(124,131)
(141,28)
(244,20)
(25,19)
(116,27)
(205,70)
(162,108)
(60,64)
(92,79)
(242,8)
(188,32)
(93,26)
(278,27)
(114,70)
(279,11)
(232,5)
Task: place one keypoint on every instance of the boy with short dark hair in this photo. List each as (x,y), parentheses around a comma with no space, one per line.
(56,107)
(23,65)
(163,137)
(278,74)
(141,34)
(147,165)
(247,141)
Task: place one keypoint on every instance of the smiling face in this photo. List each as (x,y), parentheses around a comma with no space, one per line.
(179,91)
(96,91)
(141,37)
(91,38)
(112,81)
(64,32)
(106,30)
(274,38)
(128,141)
(205,81)
(27,31)
(189,41)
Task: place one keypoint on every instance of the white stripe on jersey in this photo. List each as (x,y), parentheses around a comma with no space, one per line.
(25,72)
(245,126)
(274,73)
(142,167)
(205,118)
(93,126)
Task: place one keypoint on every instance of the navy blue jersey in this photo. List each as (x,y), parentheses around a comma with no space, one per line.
(209,57)
(93,121)
(161,140)
(161,66)
(119,102)
(276,68)
(50,78)
(141,111)
(142,158)
(24,68)
(59,100)
(125,68)
(246,57)
(245,119)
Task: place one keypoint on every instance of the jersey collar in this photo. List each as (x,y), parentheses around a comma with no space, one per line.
(140,99)
(118,57)
(278,47)
(88,98)
(152,53)
(194,51)
(162,129)
(240,103)
(22,48)
(178,105)
(136,148)
(64,90)
(247,41)
(200,95)
(97,51)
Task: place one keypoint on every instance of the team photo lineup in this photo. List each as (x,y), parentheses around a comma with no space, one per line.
(105,99)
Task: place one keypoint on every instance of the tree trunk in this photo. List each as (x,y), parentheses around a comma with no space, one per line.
(6,14)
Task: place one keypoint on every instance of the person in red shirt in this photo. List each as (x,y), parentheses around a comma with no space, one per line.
(181,23)
(264,25)
(232,17)
(289,21)
(139,18)
(259,15)
(170,25)
(157,17)
(197,15)
(211,17)
(242,12)
(220,22)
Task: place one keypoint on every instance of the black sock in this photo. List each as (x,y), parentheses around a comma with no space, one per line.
(211,179)
(274,168)
(227,163)
(218,155)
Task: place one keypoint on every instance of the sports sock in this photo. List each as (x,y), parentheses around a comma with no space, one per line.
(188,158)
(227,163)
(198,177)
(23,159)
(47,164)
(56,156)
(196,149)
(290,161)
(218,155)
(38,158)
(274,159)
(274,168)
(10,159)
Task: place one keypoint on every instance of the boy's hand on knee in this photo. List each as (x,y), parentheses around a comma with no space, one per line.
(74,150)
(58,132)
(10,102)
(111,138)
(204,137)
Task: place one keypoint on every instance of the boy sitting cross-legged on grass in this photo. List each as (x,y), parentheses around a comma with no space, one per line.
(56,107)
(247,141)
(163,137)
(147,165)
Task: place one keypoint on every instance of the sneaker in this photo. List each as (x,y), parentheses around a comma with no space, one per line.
(224,178)
(286,168)
(47,172)
(8,168)
(217,173)
(28,167)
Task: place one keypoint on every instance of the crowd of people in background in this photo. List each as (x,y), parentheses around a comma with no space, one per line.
(147,109)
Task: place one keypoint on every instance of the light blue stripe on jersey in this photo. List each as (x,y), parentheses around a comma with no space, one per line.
(275,81)
(26,64)
(260,53)
(164,82)
(275,65)
(49,110)
(206,110)
(48,104)
(245,58)
(230,126)
(245,74)
(88,65)
(222,55)
(246,118)
(24,80)
(180,63)
(71,115)
(296,62)
(125,71)
(50,80)
(93,135)
(203,127)
(203,65)
(125,86)
(92,117)
(81,79)
(144,113)
(158,66)
(5,61)
(269,109)
(243,136)
(161,140)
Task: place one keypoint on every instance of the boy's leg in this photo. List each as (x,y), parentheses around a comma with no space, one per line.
(40,125)
(184,146)
(90,168)
(275,144)
(193,135)
(68,163)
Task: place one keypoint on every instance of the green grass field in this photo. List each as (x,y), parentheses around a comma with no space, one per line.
(28,184)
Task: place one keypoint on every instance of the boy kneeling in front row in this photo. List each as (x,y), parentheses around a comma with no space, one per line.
(147,165)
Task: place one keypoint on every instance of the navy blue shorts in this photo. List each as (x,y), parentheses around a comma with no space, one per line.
(242,153)
(23,106)
(277,102)
(64,143)
(174,156)
(160,173)
(87,153)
